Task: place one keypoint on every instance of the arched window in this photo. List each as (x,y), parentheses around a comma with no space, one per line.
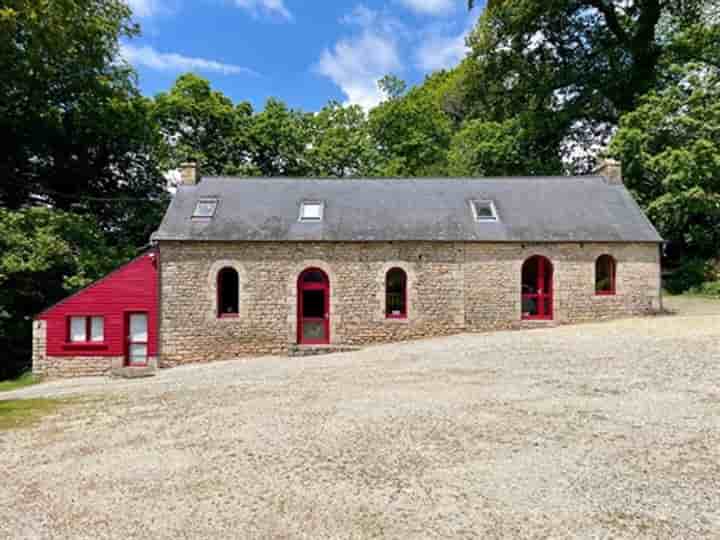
(228,293)
(396,294)
(605,268)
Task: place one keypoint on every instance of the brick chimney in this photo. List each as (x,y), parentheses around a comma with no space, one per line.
(611,170)
(188,174)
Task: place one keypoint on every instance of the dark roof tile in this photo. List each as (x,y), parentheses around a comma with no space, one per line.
(534,209)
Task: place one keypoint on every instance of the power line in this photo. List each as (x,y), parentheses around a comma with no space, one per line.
(37,190)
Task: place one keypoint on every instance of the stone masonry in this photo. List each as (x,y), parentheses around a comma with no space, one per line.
(452,288)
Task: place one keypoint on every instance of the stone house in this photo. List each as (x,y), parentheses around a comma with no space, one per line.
(261,266)
(269,266)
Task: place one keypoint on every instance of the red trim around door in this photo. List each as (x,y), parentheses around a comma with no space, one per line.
(538,295)
(308,285)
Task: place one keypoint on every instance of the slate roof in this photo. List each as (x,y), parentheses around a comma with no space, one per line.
(530,209)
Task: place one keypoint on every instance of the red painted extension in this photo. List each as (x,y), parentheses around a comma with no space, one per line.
(131,289)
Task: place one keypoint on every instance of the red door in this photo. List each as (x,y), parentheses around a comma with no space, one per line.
(137,339)
(537,289)
(313,308)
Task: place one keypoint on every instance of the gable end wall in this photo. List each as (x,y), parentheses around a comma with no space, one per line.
(131,288)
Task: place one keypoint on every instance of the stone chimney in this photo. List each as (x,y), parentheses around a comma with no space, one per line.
(188,174)
(611,170)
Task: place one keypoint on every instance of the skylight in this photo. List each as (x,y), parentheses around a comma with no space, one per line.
(484,210)
(311,211)
(205,208)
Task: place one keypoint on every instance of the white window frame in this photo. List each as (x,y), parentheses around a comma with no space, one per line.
(89,329)
(208,200)
(321,212)
(479,218)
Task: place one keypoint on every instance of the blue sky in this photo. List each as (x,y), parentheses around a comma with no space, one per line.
(304,52)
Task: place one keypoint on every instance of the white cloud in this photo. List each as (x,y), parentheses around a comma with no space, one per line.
(441,52)
(145,8)
(356,64)
(431,7)
(270,6)
(148,57)
(441,48)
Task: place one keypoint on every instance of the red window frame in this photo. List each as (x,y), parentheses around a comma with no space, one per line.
(612,263)
(221,315)
(88,330)
(403,295)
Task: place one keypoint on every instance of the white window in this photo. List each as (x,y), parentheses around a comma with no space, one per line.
(97,329)
(484,210)
(138,345)
(87,329)
(205,208)
(311,211)
(78,329)
(138,328)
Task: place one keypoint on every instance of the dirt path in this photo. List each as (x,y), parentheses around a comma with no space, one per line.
(692,305)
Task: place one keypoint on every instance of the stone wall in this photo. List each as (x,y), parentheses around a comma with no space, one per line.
(493,282)
(452,287)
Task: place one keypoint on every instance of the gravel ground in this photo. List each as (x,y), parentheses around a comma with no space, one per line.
(607,430)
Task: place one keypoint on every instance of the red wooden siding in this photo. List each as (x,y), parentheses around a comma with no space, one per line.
(131,288)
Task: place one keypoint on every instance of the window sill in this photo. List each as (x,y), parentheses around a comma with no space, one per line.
(87,346)
(229,316)
(396,318)
(605,293)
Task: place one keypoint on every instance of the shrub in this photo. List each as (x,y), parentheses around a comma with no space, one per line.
(692,274)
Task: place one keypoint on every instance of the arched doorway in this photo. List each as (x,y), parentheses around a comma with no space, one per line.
(313,325)
(537,289)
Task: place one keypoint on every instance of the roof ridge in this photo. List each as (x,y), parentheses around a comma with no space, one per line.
(413,178)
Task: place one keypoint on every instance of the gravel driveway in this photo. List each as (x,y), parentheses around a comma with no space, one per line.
(607,430)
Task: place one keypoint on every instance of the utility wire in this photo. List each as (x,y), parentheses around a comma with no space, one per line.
(53,193)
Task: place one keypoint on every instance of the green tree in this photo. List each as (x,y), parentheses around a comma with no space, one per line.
(392,86)
(65,96)
(571,67)
(670,148)
(339,143)
(413,132)
(202,125)
(496,149)
(277,140)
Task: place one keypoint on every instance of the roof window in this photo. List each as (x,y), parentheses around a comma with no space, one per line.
(311,211)
(205,208)
(484,210)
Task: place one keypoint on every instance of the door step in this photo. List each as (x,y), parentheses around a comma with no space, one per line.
(316,350)
(526,325)
(134,372)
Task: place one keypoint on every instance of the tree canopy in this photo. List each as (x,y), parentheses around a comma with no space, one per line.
(574,67)
(670,146)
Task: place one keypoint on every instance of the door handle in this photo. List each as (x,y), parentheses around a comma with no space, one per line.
(327,316)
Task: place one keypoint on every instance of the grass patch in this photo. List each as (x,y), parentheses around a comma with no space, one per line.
(709,289)
(21,413)
(26,379)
